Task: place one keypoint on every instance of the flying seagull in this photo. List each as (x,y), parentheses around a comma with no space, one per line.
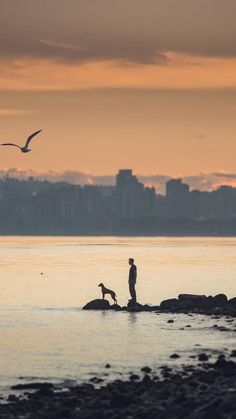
(25,148)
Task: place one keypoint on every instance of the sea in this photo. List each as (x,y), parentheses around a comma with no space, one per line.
(45,282)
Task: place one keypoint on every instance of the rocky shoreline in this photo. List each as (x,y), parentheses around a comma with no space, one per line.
(185,303)
(203,392)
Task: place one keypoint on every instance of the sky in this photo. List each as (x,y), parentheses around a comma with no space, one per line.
(142,84)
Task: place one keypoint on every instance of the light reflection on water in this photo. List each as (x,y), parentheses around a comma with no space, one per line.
(44,333)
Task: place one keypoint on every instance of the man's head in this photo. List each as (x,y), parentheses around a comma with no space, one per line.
(131,261)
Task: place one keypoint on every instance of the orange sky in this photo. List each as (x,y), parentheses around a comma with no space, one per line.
(144,84)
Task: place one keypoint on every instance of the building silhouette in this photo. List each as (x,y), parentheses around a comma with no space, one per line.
(41,207)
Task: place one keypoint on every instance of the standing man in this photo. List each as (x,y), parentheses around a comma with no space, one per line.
(132,280)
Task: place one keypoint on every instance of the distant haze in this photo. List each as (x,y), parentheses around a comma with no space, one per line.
(147,84)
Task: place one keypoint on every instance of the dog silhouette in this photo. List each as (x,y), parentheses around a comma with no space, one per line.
(107,291)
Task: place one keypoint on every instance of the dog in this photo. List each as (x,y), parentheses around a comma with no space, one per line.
(107,291)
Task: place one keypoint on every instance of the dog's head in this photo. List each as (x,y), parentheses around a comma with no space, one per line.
(101,285)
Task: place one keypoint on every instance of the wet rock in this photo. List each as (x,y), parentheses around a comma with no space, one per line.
(220,299)
(233,354)
(98,304)
(120,400)
(147,370)
(203,357)
(134,377)
(107,366)
(191,297)
(12,398)
(174,356)
(115,307)
(32,386)
(232,301)
(222,363)
(170,321)
(170,304)
(96,380)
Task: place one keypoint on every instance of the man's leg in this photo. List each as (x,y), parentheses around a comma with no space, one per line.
(132,290)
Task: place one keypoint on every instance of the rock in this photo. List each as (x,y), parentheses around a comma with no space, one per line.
(170,321)
(221,362)
(203,357)
(119,400)
(97,304)
(146,307)
(147,370)
(115,307)
(233,354)
(220,299)
(107,366)
(134,306)
(134,377)
(12,398)
(32,386)
(190,301)
(174,356)
(170,304)
(232,301)
(96,380)
(192,297)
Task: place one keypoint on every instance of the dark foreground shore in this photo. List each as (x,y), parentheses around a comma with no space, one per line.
(207,391)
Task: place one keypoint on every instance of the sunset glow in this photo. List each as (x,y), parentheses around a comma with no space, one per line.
(110,91)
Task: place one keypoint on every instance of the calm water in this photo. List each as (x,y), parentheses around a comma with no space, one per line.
(45,282)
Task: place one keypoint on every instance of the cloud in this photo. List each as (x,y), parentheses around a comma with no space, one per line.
(224,175)
(202,181)
(15,112)
(130,31)
(180,73)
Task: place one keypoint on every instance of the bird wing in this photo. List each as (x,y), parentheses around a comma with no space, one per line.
(15,145)
(31,136)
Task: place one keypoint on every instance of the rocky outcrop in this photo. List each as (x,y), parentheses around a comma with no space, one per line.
(202,304)
(185,303)
(97,304)
(100,304)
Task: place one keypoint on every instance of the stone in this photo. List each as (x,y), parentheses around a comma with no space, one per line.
(220,299)
(174,356)
(115,307)
(232,301)
(170,304)
(134,306)
(189,301)
(203,357)
(134,377)
(98,304)
(32,386)
(147,370)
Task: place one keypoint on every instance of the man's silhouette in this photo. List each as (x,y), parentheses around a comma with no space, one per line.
(132,279)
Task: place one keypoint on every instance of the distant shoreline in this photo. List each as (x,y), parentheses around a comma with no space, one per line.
(116,235)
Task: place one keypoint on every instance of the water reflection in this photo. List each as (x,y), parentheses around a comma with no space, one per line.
(132,318)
